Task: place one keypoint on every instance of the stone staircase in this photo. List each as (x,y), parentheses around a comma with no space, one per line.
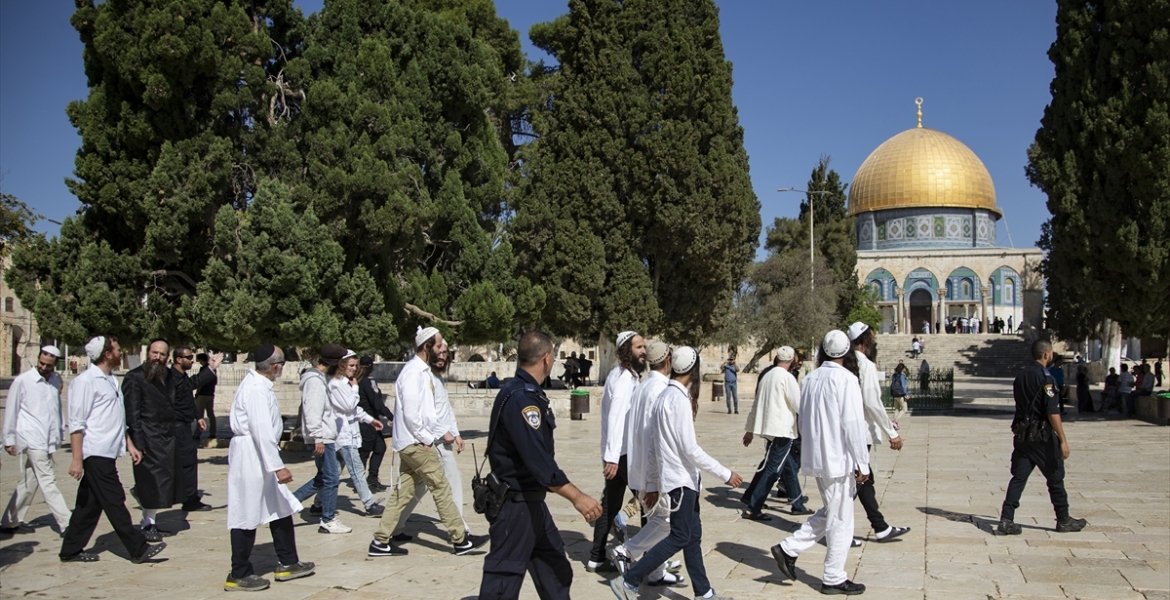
(979,355)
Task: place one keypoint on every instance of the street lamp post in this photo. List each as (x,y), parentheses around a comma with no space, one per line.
(811,247)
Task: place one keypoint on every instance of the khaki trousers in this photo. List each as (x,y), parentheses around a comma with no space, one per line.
(446,454)
(420,464)
(37,472)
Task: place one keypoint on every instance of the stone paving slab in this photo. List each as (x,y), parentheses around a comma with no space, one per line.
(947,484)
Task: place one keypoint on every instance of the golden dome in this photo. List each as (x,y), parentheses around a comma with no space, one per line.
(921,167)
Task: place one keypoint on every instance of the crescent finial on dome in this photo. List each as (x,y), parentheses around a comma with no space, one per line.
(918,101)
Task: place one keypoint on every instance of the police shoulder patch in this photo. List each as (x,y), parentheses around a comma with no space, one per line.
(531,416)
(1050,390)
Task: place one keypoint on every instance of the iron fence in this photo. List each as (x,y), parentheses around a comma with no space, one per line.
(933,393)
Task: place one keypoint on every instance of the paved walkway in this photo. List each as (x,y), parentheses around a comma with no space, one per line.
(947,484)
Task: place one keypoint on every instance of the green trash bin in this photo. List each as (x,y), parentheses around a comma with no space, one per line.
(1163,405)
(578,404)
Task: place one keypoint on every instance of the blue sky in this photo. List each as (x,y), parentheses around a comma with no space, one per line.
(811,78)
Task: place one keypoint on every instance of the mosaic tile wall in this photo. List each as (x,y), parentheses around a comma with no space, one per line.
(926,228)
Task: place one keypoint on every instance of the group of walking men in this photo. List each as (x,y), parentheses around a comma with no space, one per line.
(151,415)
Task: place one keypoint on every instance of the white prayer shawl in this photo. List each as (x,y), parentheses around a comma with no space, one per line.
(774,412)
(32,414)
(876,419)
(677,452)
(343,397)
(615,404)
(639,428)
(254,495)
(832,423)
(415,418)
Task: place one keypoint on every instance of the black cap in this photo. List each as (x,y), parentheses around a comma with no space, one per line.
(366,360)
(263,353)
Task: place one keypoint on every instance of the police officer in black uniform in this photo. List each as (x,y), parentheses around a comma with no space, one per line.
(523,535)
(1039,442)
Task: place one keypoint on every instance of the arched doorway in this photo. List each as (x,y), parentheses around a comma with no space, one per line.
(920,310)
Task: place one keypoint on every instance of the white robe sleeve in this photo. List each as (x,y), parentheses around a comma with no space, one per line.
(684,427)
(265,438)
(853,432)
(875,411)
(619,408)
(11,409)
(80,403)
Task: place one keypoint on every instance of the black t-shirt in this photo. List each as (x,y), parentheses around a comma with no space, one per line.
(522,453)
(1035,390)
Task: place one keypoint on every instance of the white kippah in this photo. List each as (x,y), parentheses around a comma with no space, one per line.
(624,337)
(785,354)
(422,335)
(684,360)
(856,329)
(93,349)
(349,354)
(55,351)
(835,344)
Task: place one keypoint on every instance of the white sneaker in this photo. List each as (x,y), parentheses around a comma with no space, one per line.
(333,526)
(620,558)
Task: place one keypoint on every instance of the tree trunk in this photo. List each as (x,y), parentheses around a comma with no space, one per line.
(768,346)
(606,356)
(1111,346)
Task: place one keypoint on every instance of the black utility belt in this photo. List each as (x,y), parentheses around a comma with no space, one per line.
(529,496)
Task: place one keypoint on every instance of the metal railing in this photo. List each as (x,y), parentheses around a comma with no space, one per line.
(933,393)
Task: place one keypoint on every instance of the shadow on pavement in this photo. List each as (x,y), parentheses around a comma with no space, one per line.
(981,522)
(14,553)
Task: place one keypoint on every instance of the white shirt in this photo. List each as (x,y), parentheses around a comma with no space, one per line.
(343,396)
(876,419)
(774,412)
(1125,382)
(832,423)
(32,416)
(415,418)
(615,404)
(96,407)
(444,414)
(676,452)
(254,496)
(639,428)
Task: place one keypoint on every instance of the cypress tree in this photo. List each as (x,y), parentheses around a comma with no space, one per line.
(636,210)
(1102,156)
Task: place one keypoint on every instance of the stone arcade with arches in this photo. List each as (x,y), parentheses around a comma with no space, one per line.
(926,237)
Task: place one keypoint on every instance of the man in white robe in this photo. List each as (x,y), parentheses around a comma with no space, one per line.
(832,427)
(257,476)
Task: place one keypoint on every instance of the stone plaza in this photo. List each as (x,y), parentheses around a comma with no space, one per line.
(946,484)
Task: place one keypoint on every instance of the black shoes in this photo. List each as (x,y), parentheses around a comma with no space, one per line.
(894,532)
(1009,527)
(802,511)
(385,549)
(316,510)
(251,583)
(754,516)
(375,510)
(149,553)
(1070,525)
(152,534)
(845,588)
(786,563)
(197,506)
(470,542)
(375,486)
(81,557)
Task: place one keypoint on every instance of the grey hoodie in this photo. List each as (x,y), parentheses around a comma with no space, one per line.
(317,422)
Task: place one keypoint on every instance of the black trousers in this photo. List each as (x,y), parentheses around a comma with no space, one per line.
(189,460)
(867,493)
(100,491)
(525,540)
(612,500)
(372,451)
(284,541)
(1036,455)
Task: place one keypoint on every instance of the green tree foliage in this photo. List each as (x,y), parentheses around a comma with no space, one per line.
(1102,155)
(834,235)
(636,209)
(183,97)
(402,161)
(16,222)
(276,276)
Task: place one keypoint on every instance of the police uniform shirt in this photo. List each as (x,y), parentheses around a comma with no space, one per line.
(522,452)
(1035,390)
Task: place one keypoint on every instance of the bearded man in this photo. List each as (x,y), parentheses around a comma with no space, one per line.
(149,392)
(417,431)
